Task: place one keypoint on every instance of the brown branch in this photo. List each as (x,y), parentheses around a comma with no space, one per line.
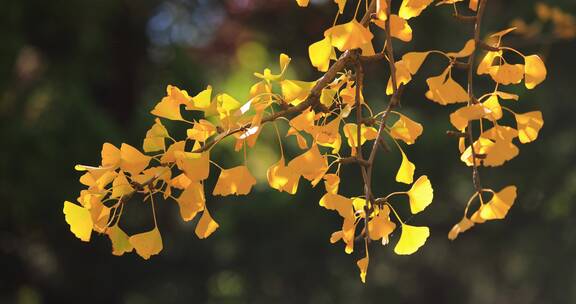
(477,27)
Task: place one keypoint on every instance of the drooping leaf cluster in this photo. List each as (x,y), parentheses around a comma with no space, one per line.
(322,116)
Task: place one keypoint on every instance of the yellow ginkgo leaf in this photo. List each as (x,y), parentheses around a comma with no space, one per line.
(493,106)
(196,166)
(339,203)
(380,226)
(192,200)
(132,160)
(169,106)
(411,239)
(332,183)
(460,227)
(120,240)
(464,52)
(281,178)
(473,5)
(226,105)
(348,233)
(170,155)
(351,133)
(498,206)
(295,91)
(154,140)
(444,90)
(406,129)
(400,28)
(201,131)
(302,3)
(420,194)
(406,171)
(381,9)
(363,266)
(341,5)
(237,180)
(534,71)
(110,156)
(202,101)
(121,186)
(507,73)
(311,165)
(348,36)
(320,54)
(529,124)
(487,62)
(403,76)
(412,8)
(79,219)
(206,225)
(147,243)
(462,116)
(414,60)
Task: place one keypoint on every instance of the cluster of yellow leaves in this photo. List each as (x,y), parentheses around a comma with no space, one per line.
(179,169)
(562,23)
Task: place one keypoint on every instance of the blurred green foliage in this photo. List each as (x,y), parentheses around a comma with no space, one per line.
(75,74)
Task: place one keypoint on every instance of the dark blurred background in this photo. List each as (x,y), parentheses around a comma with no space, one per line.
(75,74)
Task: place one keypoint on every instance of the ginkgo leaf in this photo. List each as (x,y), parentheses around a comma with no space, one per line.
(381,9)
(351,133)
(420,194)
(348,233)
(462,116)
(473,5)
(170,155)
(412,8)
(468,49)
(348,36)
(507,73)
(295,91)
(202,101)
(169,106)
(226,105)
(534,71)
(444,90)
(311,165)
(110,155)
(363,266)
(206,225)
(201,131)
(403,76)
(400,29)
(380,226)
(121,186)
(341,5)
(487,62)
(302,3)
(493,105)
(498,206)
(339,203)
(132,160)
(120,240)
(529,124)
(320,54)
(411,239)
(237,180)
(79,219)
(196,166)
(406,129)
(460,227)
(414,60)
(191,201)
(405,173)
(332,183)
(154,140)
(147,243)
(281,178)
